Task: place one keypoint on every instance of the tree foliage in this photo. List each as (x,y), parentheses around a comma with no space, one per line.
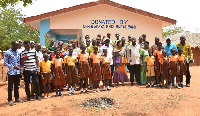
(5,3)
(11,28)
(171,30)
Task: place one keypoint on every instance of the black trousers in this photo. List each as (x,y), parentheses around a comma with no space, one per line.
(13,79)
(188,76)
(134,71)
(27,75)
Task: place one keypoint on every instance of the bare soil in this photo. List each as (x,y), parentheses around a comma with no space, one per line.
(128,100)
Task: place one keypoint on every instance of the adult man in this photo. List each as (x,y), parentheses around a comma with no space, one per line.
(20,48)
(144,36)
(110,54)
(114,43)
(30,61)
(187,51)
(133,60)
(98,43)
(32,44)
(50,47)
(87,43)
(141,43)
(12,60)
(90,49)
(154,47)
(168,48)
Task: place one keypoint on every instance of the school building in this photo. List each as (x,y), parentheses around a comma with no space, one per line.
(98,17)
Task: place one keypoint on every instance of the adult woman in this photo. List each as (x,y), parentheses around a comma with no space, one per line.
(143,54)
(120,74)
(53,55)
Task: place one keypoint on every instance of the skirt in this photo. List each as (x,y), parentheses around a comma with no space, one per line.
(84,69)
(173,68)
(106,71)
(59,78)
(181,68)
(96,72)
(72,76)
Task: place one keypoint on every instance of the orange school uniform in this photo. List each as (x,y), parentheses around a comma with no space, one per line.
(106,67)
(173,64)
(150,65)
(96,68)
(84,65)
(181,65)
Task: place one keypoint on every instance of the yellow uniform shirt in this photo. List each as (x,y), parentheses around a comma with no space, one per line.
(46,66)
(70,60)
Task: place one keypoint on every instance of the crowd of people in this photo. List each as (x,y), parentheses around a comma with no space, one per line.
(54,67)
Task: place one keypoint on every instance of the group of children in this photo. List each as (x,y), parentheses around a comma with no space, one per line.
(164,68)
(93,66)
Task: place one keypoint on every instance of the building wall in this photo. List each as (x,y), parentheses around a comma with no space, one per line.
(76,20)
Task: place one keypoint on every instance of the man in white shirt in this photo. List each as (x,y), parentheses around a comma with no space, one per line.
(110,54)
(133,60)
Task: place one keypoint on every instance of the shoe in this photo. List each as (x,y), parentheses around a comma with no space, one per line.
(27,99)
(11,103)
(132,84)
(73,93)
(104,89)
(98,91)
(56,95)
(173,84)
(86,91)
(61,95)
(81,92)
(170,86)
(152,86)
(70,93)
(108,89)
(187,85)
(147,86)
(94,91)
(38,98)
(112,85)
(19,100)
(45,97)
(182,86)
(33,97)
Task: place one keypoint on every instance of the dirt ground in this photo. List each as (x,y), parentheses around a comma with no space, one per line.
(128,100)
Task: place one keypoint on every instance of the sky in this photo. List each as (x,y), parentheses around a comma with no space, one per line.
(185,12)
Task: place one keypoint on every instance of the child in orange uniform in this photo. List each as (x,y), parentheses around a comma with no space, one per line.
(106,71)
(164,67)
(58,78)
(84,68)
(158,54)
(45,69)
(181,68)
(71,70)
(96,68)
(150,71)
(172,66)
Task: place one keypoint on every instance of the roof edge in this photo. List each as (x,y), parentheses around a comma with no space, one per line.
(95,3)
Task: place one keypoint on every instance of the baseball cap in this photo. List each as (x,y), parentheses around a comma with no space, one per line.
(168,38)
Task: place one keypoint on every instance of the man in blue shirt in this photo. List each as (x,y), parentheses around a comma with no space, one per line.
(12,60)
(170,46)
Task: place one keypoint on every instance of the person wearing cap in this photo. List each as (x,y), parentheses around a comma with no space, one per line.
(109,54)
(169,46)
(187,52)
(20,48)
(32,44)
(133,60)
(50,47)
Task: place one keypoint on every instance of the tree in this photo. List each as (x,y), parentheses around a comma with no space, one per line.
(5,3)
(13,29)
(171,30)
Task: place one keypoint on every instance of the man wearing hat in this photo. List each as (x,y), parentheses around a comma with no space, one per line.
(187,51)
(50,47)
(168,48)
(110,54)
